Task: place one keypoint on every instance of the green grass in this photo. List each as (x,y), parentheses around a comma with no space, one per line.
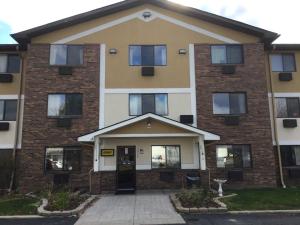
(18,205)
(264,199)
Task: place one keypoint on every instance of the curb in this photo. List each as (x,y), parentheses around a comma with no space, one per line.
(293,211)
(75,212)
(179,208)
(22,217)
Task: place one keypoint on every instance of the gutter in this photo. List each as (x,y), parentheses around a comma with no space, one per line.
(275,123)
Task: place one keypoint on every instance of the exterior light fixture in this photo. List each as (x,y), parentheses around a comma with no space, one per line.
(147,15)
(182,51)
(113,51)
(149,123)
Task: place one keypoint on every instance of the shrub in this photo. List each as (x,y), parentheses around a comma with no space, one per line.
(196,198)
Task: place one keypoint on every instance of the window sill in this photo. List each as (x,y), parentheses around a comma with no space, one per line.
(54,172)
(165,169)
(65,117)
(73,66)
(226,64)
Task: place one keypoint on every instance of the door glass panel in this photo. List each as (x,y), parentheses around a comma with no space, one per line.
(72,159)
(54,159)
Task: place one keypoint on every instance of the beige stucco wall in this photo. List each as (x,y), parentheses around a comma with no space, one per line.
(189,157)
(117,107)
(288,136)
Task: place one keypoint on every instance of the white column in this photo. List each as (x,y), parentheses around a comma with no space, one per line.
(193,82)
(202,153)
(102,86)
(96,155)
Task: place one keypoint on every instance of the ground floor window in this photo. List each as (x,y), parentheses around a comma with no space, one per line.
(6,166)
(290,155)
(233,156)
(165,157)
(63,159)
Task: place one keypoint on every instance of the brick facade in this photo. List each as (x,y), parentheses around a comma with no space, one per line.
(39,131)
(254,128)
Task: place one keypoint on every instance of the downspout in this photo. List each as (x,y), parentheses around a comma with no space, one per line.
(17,132)
(275,123)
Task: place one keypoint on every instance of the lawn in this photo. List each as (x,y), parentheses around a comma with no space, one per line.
(17,205)
(264,199)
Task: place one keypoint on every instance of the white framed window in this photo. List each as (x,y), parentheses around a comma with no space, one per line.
(71,55)
(283,62)
(9,63)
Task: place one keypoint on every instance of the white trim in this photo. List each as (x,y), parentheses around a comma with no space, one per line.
(90,137)
(193,82)
(138,15)
(288,142)
(108,168)
(186,166)
(12,97)
(9,146)
(285,94)
(147,90)
(96,154)
(143,167)
(149,135)
(102,87)
(202,153)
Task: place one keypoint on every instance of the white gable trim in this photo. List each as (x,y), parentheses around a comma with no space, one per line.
(139,15)
(90,137)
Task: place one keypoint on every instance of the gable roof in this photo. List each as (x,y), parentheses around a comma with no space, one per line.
(24,37)
(207,135)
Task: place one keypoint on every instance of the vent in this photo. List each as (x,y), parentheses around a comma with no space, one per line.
(187,119)
(4,126)
(65,70)
(285,76)
(6,78)
(228,69)
(290,123)
(235,175)
(232,120)
(64,122)
(147,71)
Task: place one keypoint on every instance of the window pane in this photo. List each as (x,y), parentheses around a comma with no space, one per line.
(160,55)
(246,156)
(293,107)
(237,103)
(135,105)
(72,159)
(10,110)
(218,54)
(222,153)
(54,159)
(75,55)
(148,55)
(173,156)
(148,103)
(135,58)
(161,104)
(221,103)
(237,156)
(288,63)
(3,63)
(13,64)
(158,157)
(276,63)
(234,54)
(287,156)
(58,54)
(73,104)
(56,105)
(1,110)
(281,107)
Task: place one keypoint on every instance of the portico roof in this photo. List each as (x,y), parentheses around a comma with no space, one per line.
(188,130)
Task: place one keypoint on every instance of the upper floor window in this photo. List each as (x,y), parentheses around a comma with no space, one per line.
(166,157)
(8,110)
(71,55)
(9,63)
(147,55)
(290,155)
(63,159)
(233,156)
(229,103)
(140,104)
(283,62)
(227,54)
(64,105)
(288,107)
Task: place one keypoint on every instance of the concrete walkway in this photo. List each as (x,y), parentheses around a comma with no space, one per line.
(143,208)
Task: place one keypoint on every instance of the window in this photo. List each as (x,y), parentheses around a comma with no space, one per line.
(229,103)
(290,155)
(140,104)
(9,63)
(63,159)
(288,107)
(70,55)
(165,157)
(233,156)
(8,110)
(283,63)
(147,55)
(61,105)
(227,54)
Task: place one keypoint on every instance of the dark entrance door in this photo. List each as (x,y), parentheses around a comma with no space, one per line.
(125,169)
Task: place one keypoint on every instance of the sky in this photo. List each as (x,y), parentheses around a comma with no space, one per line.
(278,16)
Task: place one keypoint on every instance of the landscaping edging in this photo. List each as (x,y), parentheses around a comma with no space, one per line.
(79,210)
(179,208)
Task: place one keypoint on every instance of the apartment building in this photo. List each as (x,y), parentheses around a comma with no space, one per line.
(142,94)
